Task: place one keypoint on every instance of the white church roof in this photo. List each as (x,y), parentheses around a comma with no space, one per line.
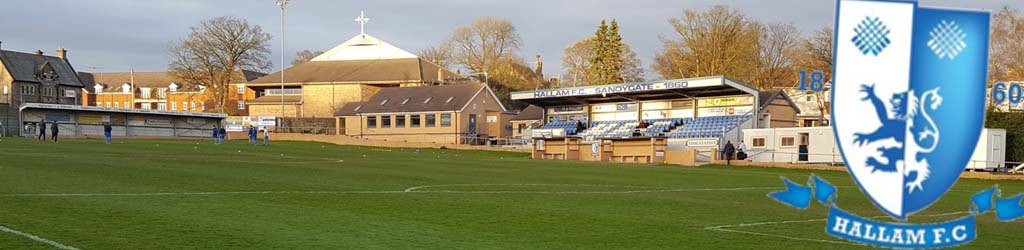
(364,47)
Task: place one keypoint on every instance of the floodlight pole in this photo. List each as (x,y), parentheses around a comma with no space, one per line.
(282,4)
(487,78)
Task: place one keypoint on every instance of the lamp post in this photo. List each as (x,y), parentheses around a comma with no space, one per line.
(282,4)
(487,78)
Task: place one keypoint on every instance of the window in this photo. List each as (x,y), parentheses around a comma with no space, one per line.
(241,89)
(161,106)
(414,121)
(446,120)
(400,121)
(145,92)
(174,88)
(357,108)
(241,105)
(474,106)
(161,93)
(431,120)
(28,90)
(405,101)
(385,121)
(109,105)
(758,142)
(125,105)
(450,99)
(788,141)
(385,101)
(116,106)
(193,105)
(427,100)
(174,106)
(184,106)
(371,121)
(202,106)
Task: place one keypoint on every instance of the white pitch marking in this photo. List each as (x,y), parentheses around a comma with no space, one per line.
(37,238)
(512,184)
(408,190)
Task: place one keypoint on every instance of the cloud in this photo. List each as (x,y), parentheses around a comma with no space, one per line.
(117,35)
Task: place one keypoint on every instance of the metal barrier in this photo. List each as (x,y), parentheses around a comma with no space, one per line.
(307,130)
(775,156)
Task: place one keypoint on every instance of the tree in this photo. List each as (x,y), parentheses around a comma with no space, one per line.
(489,45)
(440,55)
(776,45)
(1006,51)
(214,52)
(305,55)
(576,61)
(815,53)
(722,41)
(484,43)
(602,59)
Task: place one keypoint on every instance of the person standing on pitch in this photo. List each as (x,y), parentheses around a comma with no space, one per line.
(106,131)
(252,135)
(223,135)
(729,151)
(266,136)
(42,130)
(56,130)
(216,136)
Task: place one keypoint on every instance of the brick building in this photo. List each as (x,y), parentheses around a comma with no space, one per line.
(438,114)
(351,72)
(34,78)
(161,91)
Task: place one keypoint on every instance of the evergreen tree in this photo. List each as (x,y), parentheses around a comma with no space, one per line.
(613,57)
(596,72)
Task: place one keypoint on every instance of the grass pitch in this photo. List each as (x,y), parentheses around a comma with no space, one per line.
(181,194)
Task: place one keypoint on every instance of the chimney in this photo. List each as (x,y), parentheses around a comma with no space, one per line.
(62,53)
(1,43)
(539,67)
(440,74)
(39,52)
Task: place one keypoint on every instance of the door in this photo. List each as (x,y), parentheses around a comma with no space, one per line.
(804,149)
(472,124)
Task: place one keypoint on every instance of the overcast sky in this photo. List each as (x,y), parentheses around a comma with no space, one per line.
(117,35)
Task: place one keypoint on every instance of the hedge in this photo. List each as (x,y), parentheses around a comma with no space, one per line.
(1014,124)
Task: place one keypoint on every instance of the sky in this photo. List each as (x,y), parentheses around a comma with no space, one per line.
(119,35)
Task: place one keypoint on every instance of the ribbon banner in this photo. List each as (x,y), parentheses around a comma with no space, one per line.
(847,226)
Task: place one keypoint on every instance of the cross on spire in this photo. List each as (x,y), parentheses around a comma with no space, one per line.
(362,20)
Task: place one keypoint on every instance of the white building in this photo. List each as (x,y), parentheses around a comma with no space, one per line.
(783,145)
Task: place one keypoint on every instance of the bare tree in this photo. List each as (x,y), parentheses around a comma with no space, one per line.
(723,41)
(214,52)
(1006,51)
(440,55)
(777,44)
(815,52)
(484,43)
(576,61)
(305,55)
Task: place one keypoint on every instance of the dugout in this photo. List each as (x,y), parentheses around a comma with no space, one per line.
(695,115)
(77,120)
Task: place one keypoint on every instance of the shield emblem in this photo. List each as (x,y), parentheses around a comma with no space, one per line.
(908,98)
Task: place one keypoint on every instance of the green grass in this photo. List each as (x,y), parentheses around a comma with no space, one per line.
(300,195)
